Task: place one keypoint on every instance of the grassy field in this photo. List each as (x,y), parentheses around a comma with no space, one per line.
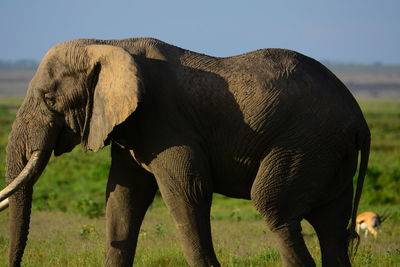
(67,226)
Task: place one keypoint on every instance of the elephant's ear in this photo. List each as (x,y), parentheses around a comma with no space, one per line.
(117,90)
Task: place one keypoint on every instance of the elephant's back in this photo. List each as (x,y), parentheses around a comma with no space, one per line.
(284,93)
(273,82)
(271,89)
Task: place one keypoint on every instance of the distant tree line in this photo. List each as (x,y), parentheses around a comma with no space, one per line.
(373,68)
(22,64)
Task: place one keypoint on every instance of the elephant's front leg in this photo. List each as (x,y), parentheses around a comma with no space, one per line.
(185,184)
(130,191)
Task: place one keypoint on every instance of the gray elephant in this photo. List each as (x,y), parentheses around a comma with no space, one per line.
(272,126)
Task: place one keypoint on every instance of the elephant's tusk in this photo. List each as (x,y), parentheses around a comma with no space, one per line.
(30,171)
(4,204)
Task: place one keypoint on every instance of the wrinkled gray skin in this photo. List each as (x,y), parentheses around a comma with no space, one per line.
(272,126)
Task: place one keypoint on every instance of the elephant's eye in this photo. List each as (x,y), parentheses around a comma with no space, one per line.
(50,100)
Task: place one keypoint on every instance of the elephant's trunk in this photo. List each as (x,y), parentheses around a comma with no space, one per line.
(21,174)
(20,211)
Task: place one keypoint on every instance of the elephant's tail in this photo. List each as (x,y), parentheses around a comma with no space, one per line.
(364,145)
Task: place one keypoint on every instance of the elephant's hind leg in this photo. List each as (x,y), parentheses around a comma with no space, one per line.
(276,197)
(130,191)
(291,244)
(330,223)
(330,220)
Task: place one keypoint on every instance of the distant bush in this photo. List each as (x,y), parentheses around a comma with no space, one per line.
(382,183)
(90,208)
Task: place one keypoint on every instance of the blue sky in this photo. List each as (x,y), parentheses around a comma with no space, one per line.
(362,31)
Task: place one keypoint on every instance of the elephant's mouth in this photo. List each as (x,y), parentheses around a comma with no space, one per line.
(30,172)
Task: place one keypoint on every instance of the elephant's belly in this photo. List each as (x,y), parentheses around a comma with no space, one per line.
(235,192)
(235,181)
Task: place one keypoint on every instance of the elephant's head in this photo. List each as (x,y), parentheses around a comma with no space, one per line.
(78,94)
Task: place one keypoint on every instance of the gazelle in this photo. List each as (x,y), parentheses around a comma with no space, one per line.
(369,222)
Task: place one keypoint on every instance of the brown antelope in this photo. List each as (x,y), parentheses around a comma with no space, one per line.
(369,222)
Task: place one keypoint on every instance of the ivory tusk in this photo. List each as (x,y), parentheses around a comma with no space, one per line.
(26,174)
(4,204)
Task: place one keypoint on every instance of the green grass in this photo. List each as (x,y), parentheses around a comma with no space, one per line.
(67,226)
(382,185)
(66,239)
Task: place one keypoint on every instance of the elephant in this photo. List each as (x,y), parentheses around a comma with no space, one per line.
(272,126)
